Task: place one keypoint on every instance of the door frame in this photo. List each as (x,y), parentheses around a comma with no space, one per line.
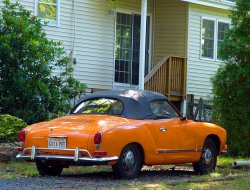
(128,11)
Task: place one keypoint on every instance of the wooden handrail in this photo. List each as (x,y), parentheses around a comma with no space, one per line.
(156,68)
(158,65)
(168,77)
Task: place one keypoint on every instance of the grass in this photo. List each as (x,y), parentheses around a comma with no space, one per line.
(238,183)
(14,170)
(224,177)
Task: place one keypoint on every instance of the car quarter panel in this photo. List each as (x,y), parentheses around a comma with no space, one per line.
(204,130)
(212,129)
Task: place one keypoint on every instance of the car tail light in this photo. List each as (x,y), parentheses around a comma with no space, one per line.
(20,149)
(98,139)
(100,154)
(21,135)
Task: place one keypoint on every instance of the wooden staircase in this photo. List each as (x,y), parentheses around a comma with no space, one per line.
(169,78)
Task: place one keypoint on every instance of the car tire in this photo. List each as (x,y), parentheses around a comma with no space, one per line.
(130,162)
(45,169)
(208,159)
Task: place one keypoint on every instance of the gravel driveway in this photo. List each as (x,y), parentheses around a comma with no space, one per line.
(98,180)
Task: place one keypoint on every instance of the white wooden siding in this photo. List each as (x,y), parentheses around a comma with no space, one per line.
(170,29)
(200,70)
(94,36)
(94,40)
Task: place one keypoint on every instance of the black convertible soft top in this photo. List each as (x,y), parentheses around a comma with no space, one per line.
(136,102)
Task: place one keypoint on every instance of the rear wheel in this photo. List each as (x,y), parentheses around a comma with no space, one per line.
(130,162)
(46,169)
(208,160)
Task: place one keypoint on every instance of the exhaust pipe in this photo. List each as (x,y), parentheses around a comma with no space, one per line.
(241,163)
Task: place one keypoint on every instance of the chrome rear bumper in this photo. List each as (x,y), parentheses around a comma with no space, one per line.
(76,157)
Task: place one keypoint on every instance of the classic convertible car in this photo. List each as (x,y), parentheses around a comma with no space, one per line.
(125,129)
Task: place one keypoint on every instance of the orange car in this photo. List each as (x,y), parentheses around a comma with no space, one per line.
(125,129)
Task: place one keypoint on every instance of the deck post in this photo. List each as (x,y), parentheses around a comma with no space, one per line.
(169,77)
(142,43)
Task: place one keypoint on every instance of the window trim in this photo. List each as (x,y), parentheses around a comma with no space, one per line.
(50,23)
(217,27)
(215,45)
(215,37)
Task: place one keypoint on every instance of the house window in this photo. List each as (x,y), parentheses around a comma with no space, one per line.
(222,31)
(213,34)
(208,28)
(123,50)
(128,48)
(48,10)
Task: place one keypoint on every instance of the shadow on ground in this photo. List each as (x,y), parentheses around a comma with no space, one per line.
(97,180)
(145,174)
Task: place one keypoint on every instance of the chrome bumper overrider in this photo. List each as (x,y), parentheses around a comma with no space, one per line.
(35,155)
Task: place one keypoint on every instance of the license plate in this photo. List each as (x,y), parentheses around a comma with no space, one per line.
(57,143)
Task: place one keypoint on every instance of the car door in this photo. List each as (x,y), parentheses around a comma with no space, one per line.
(178,138)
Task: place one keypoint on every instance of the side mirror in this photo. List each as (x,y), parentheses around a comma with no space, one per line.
(183,118)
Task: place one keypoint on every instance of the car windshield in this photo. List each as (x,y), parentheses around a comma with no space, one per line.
(162,109)
(100,106)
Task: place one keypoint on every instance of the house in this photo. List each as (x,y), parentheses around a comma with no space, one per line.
(181,42)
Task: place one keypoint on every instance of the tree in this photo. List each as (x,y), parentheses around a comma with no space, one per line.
(231,83)
(35,77)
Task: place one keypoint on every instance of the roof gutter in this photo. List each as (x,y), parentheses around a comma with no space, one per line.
(221,4)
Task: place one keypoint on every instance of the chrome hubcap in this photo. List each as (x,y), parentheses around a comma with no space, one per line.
(208,156)
(129,159)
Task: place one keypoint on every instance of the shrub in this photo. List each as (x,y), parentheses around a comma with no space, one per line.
(231,84)
(29,88)
(231,105)
(9,127)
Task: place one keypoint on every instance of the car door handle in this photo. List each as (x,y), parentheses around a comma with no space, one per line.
(163,129)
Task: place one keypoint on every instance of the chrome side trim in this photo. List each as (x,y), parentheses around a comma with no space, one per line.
(178,150)
(75,155)
(183,150)
(160,151)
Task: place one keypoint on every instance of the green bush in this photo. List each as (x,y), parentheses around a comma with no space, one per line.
(9,127)
(231,106)
(231,84)
(29,88)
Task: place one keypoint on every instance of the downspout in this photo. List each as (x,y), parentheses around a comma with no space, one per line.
(153,38)
(72,59)
(142,43)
